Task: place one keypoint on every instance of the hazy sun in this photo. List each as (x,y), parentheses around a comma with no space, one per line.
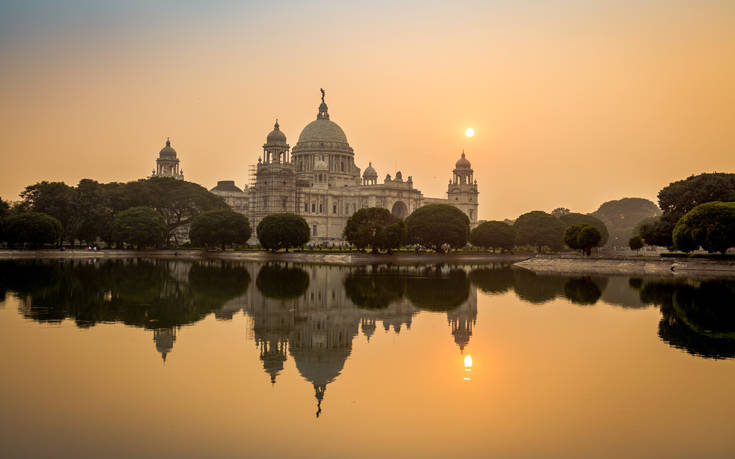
(469,132)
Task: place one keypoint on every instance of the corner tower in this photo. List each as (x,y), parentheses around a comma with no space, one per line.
(275,187)
(462,190)
(167,164)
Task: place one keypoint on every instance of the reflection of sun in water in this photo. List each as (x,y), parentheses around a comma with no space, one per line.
(467,367)
(469,132)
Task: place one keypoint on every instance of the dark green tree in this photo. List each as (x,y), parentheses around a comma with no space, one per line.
(657,231)
(93,215)
(33,228)
(588,237)
(574,218)
(635,243)
(55,199)
(140,226)
(435,225)
(283,231)
(4,213)
(710,226)
(369,228)
(571,236)
(678,198)
(539,229)
(177,201)
(493,234)
(218,228)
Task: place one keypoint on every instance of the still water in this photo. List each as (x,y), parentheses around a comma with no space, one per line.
(165,358)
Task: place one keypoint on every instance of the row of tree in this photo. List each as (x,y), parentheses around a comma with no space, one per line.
(697,212)
(94,211)
(111,212)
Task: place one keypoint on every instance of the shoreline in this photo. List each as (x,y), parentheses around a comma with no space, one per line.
(330,258)
(542,264)
(668,267)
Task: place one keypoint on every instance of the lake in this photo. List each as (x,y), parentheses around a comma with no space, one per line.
(140,358)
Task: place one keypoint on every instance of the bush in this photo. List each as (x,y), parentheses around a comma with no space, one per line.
(34,228)
(283,231)
(710,225)
(635,243)
(140,226)
(434,225)
(219,227)
(582,237)
(494,234)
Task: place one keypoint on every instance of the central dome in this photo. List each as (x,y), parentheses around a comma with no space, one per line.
(323,130)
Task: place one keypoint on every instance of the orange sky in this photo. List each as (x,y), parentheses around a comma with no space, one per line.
(573,102)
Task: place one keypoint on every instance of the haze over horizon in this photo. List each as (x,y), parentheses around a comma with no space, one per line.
(573,103)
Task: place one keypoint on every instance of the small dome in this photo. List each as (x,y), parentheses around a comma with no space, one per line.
(462,163)
(370,172)
(276,137)
(167,151)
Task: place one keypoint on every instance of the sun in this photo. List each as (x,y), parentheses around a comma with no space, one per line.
(469,132)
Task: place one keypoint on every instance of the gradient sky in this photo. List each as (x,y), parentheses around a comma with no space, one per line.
(573,102)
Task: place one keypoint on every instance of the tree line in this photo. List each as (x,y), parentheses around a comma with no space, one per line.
(698,211)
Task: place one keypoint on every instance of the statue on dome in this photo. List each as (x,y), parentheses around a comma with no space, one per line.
(322,90)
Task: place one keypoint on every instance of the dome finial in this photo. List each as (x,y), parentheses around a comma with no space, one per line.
(276,125)
(323,113)
(168,142)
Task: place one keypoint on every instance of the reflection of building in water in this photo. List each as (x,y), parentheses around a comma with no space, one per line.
(317,325)
(164,339)
(463,319)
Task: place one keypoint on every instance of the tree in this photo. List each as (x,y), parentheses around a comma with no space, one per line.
(34,228)
(93,215)
(574,218)
(559,211)
(141,226)
(539,229)
(55,199)
(177,201)
(434,225)
(494,234)
(588,237)
(678,198)
(4,212)
(622,215)
(657,232)
(571,236)
(369,228)
(283,231)
(635,243)
(710,226)
(219,227)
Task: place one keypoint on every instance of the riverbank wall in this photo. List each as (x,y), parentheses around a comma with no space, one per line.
(629,266)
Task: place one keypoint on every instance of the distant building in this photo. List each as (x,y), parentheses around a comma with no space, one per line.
(319,180)
(167,164)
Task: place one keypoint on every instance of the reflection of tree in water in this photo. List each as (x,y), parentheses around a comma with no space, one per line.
(493,280)
(699,319)
(434,290)
(153,294)
(535,288)
(584,290)
(374,288)
(281,281)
